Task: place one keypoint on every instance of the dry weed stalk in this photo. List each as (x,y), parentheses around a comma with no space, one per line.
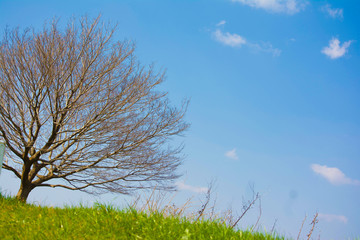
(302,225)
(313,223)
(273,227)
(205,204)
(246,208)
(258,219)
(227,217)
(159,202)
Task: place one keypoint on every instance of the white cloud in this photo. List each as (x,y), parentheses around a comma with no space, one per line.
(265,47)
(333,175)
(232,40)
(333,12)
(235,40)
(333,218)
(278,6)
(182,186)
(221,23)
(335,50)
(232,154)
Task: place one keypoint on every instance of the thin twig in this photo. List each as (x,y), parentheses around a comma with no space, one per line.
(273,227)
(313,223)
(302,225)
(204,205)
(246,208)
(258,216)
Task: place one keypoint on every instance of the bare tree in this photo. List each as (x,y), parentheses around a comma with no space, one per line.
(76,106)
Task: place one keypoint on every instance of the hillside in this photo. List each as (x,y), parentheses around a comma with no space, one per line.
(25,221)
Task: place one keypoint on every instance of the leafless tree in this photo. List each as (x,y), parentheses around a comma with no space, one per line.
(77,106)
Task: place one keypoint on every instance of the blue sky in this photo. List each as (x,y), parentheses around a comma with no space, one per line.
(275,100)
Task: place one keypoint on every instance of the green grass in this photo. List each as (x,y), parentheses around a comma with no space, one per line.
(25,221)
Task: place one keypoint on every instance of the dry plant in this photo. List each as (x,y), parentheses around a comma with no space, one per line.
(207,210)
(76,106)
(260,212)
(302,225)
(202,211)
(228,217)
(158,201)
(247,206)
(273,227)
(313,224)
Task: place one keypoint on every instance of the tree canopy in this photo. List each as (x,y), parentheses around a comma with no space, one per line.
(77,106)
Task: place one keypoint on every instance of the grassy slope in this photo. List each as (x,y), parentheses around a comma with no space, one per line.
(24,221)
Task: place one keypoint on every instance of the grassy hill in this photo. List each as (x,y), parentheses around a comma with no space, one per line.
(25,221)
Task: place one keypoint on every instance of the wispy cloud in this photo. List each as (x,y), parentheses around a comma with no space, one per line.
(333,12)
(277,6)
(232,154)
(221,23)
(235,40)
(265,47)
(182,186)
(232,40)
(333,175)
(333,218)
(335,50)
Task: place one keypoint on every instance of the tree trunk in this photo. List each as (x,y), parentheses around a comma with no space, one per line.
(24,191)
